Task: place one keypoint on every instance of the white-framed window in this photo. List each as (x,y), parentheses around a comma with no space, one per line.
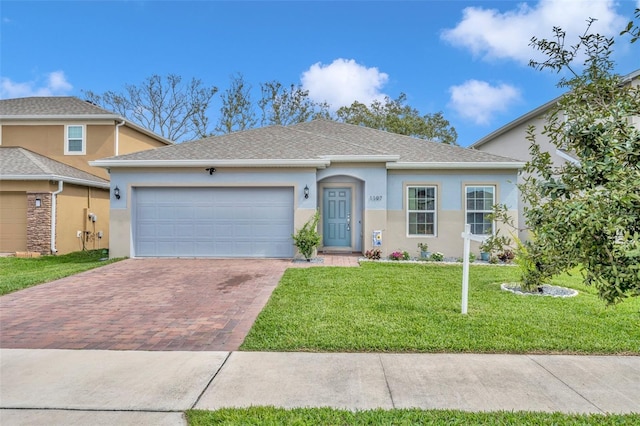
(479,201)
(75,139)
(421,210)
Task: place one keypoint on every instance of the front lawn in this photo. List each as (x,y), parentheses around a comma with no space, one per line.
(18,273)
(328,416)
(386,307)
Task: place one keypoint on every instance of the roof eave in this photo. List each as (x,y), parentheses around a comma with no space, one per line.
(65,179)
(476,165)
(320,164)
(36,117)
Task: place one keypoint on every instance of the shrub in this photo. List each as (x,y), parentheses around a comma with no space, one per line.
(396,255)
(373,254)
(506,256)
(437,256)
(307,238)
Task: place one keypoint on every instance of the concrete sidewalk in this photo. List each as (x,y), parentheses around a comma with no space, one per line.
(128,387)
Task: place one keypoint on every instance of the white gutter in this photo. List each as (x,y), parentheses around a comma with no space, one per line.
(456,165)
(211,163)
(54,205)
(117,142)
(74,181)
(361,158)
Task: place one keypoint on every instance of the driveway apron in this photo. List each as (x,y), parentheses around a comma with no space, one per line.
(143,304)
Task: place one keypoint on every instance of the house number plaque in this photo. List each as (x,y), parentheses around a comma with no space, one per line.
(375,197)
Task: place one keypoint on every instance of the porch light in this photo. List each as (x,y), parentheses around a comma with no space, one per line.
(116,192)
(306,191)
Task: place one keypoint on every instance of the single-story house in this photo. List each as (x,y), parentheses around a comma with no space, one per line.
(243,194)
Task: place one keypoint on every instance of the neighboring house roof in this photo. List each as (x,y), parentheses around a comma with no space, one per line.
(317,143)
(542,109)
(18,163)
(63,108)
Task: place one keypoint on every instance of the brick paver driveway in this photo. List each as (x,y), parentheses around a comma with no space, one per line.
(143,304)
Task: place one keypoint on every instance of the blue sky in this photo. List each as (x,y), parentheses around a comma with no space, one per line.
(466,59)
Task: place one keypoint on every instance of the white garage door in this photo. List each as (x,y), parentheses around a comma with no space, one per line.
(213,222)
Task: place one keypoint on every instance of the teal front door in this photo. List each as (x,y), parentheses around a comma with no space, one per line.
(336,222)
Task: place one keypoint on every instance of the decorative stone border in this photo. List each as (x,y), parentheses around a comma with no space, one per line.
(547,290)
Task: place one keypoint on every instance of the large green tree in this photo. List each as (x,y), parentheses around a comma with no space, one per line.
(164,105)
(587,212)
(395,116)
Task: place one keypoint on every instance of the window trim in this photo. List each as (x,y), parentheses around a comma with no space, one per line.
(409,211)
(66,140)
(467,211)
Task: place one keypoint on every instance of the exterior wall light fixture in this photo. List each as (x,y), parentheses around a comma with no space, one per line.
(306,191)
(116,192)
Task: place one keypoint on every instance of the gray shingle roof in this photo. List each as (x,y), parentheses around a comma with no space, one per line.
(17,163)
(313,140)
(50,106)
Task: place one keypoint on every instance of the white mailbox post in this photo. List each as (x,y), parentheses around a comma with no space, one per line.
(468,236)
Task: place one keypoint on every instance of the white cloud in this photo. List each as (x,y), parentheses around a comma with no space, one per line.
(478,100)
(491,34)
(342,82)
(54,84)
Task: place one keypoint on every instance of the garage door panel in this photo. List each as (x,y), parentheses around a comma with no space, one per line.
(213,222)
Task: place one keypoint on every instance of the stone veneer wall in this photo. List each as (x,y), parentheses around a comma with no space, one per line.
(39,222)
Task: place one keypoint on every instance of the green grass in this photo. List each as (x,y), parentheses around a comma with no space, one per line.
(327,416)
(19,273)
(383,307)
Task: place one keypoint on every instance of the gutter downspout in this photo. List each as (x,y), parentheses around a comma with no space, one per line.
(117,141)
(54,206)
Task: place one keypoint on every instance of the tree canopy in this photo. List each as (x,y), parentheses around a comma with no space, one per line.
(586,212)
(164,105)
(179,111)
(395,116)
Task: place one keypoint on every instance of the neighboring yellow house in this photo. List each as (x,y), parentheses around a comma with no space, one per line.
(51,199)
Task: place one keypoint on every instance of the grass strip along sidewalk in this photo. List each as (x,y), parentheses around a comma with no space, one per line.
(19,273)
(328,416)
(387,307)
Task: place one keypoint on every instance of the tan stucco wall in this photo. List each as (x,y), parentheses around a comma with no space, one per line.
(130,140)
(13,221)
(73,205)
(450,226)
(13,212)
(374,220)
(27,185)
(49,140)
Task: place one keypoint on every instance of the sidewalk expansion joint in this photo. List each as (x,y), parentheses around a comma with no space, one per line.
(386,381)
(568,385)
(215,374)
